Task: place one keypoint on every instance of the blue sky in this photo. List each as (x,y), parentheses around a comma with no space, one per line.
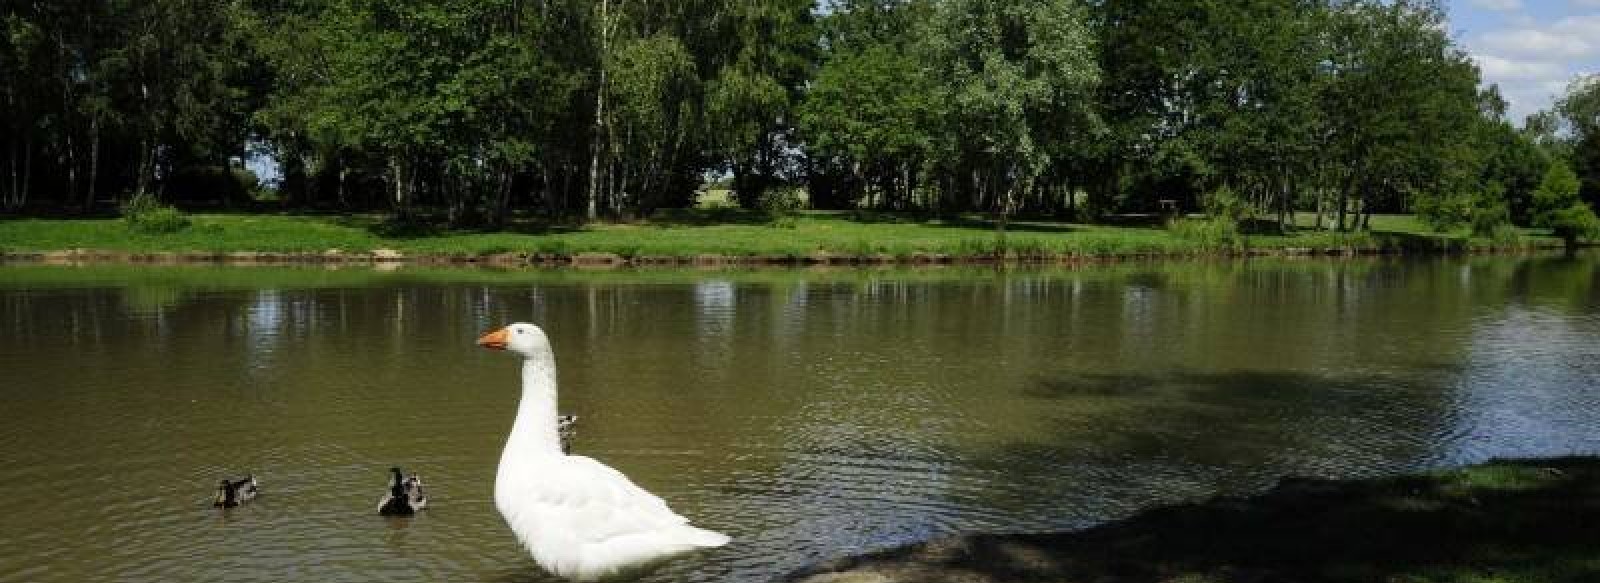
(1531,48)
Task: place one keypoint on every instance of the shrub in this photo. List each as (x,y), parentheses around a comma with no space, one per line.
(1488,219)
(1576,221)
(144,213)
(1506,236)
(212,184)
(1216,233)
(1223,203)
(1558,207)
(781,204)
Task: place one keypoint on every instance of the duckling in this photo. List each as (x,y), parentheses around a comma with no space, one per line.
(405,496)
(567,428)
(233,493)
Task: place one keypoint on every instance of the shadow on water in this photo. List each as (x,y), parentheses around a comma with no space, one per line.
(1118,444)
(1243,418)
(1526,520)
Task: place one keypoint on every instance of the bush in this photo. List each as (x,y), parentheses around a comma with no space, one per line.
(1558,207)
(1573,223)
(781,204)
(1223,203)
(1216,233)
(144,213)
(1488,219)
(212,184)
(1506,236)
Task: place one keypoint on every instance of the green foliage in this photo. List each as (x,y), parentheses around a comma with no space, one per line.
(1506,236)
(1217,233)
(1580,109)
(781,205)
(1224,204)
(1557,191)
(481,111)
(1574,222)
(144,213)
(1491,220)
(1558,207)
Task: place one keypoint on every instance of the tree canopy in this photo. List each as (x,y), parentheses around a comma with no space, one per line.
(471,110)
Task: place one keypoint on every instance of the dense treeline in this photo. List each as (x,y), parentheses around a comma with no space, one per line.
(469,110)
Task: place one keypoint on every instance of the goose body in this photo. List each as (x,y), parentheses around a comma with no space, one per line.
(231,493)
(405,495)
(579,518)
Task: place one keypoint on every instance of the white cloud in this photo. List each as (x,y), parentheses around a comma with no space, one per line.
(1553,42)
(1533,60)
(1503,5)
(1500,69)
(1567,38)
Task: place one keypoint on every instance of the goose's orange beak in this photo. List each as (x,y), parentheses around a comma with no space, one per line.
(495,340)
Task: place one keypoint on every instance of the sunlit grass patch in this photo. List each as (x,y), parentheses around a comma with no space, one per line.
(730,232)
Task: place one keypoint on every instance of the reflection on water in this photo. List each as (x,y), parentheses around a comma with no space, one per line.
(808,414)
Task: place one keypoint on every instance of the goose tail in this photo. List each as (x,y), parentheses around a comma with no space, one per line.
(701,537)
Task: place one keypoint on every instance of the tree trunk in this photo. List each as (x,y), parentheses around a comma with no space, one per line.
(147,161)
(27,173)
(67,100)
(344,173)
(595,147)
(1322,194)
(94,161)
(502,199)
(397,169)
(16,173)
(1344,201)
(72,169)
(1285,204)
(12,143)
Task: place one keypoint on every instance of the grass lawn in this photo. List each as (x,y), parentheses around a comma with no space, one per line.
(691,233)
(1533,521)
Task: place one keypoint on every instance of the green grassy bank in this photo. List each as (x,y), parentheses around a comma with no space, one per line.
(1531,521)
(696,234)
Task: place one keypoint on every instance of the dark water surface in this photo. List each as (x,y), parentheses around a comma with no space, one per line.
(807,414)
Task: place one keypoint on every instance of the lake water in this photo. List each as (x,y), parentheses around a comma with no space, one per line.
(806,413)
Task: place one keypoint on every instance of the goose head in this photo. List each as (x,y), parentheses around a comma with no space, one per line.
(522,338)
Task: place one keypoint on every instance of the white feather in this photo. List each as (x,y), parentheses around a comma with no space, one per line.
(579,518)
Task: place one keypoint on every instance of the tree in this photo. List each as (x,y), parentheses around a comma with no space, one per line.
(1581,110)
(467,113)
(758,78)
(1558,207)
(653,87)
(1204,95)
(1003,69)
(1400,98)
(871,114)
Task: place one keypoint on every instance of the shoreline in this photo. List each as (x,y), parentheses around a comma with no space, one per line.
(1505,520)
(812,239)
(389,257)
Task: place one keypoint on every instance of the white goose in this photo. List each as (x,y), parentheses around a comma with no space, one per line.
(578,518)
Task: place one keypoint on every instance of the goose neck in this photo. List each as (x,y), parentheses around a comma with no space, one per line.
(535,428)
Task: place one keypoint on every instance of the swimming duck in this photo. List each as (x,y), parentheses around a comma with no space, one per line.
(405,495)
(231,493)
